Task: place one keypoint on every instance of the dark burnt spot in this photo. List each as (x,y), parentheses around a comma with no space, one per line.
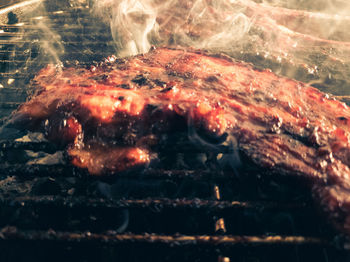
(84,84)
(188,75)
(167,89)
(180,76)
(212,79)
(81,71)
(104,77)
(302,138)
(342,118)
(124,86)
(12,18)
(89,92)
(121,98)
(105,67)
(122,67)
(120,61)
(324,151)
(173,73)
(100,78)
(141,80)
(159,82)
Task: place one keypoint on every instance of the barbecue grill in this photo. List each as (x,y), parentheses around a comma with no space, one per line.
(50,210)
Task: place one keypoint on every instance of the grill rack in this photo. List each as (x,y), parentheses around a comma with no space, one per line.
(217,214)
(167,217)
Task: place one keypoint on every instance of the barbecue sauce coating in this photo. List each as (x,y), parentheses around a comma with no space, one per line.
(111,117)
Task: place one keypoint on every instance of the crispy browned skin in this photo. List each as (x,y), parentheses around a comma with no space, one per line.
(112,115)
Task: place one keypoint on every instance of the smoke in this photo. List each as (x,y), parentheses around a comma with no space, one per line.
(138,24)
(304,40)
(301,39)
(51,46)
(221,25)
(326,6)
(131,21)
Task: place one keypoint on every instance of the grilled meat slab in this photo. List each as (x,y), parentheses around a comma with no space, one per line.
(112,116)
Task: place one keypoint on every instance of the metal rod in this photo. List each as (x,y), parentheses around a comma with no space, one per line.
(15,75)
(220,226)
(16,61)
(81,44)
(345,99)
(33,146)
(34,62)
(223,259)
(11,90)
(212,205)
(342,97)
(9,105)
(60,170)
(28,171)
(54,26)
(220,223)
(13,233)
(217,193)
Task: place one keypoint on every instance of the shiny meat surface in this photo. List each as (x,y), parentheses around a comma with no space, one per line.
(111,117)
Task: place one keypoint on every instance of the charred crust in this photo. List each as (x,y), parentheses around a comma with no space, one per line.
(159,82)
(166,89)
(141,80)
(125,86)
(102,77)
(342,118)
(212,79)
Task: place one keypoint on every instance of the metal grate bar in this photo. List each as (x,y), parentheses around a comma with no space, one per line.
(34,146)
(10,34)
(16,75)
(13,41)
(9,105)
(12,90)
(47,146)
(80,43)
(10,52)
(213,205)
(53,27)
(28,171)
(29,63)
(345,99)
(17,61)
(13,233)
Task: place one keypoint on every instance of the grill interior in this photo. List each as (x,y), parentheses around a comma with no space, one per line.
(51,210)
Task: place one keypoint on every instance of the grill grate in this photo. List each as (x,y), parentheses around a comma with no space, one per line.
(112,238)
(166,210)
(51,211)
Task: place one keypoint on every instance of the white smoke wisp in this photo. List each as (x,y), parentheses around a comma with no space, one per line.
(136,25)
(211,25)
(219,25)
(304,40)
(134,21)
(131,21)
(50,43)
